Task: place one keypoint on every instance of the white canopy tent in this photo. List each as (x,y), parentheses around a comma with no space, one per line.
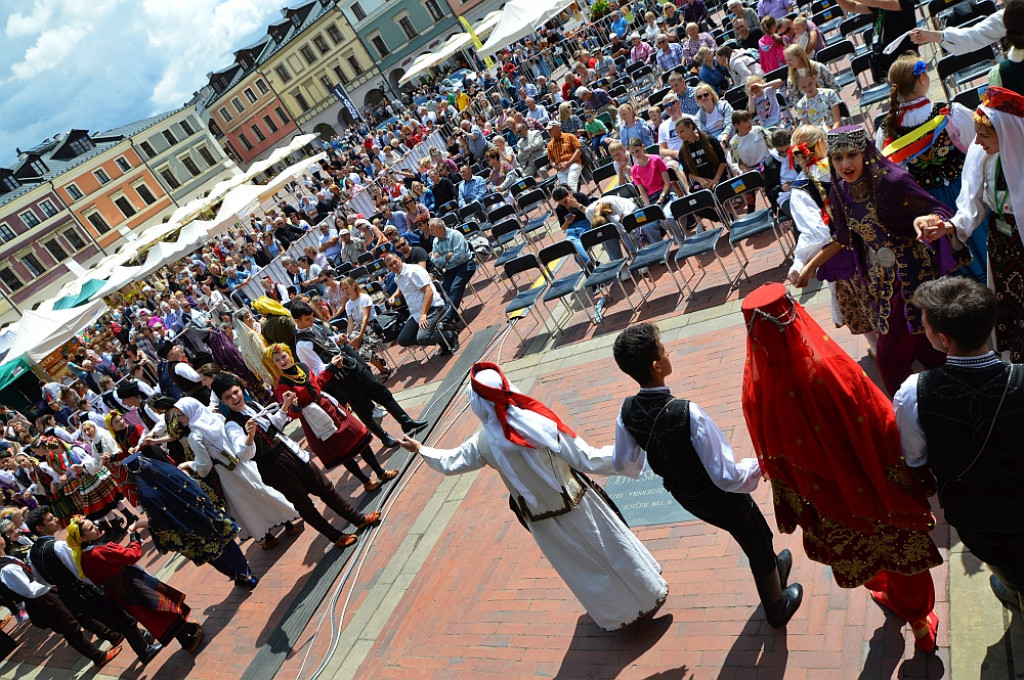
(39,333)
(287,175)
(519,19)
(242,200)
(457,42)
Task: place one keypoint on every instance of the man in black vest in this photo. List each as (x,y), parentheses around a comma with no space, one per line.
(354,383)
(185,377)
(965,421)
(52,562)
(283,464)
(688,451)
(130,394)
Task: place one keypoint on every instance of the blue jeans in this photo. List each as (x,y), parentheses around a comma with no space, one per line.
(573,233)
(454,285)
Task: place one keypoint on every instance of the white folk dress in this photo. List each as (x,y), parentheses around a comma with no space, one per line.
(606,567)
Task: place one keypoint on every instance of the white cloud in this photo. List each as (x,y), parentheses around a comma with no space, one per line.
(70,64)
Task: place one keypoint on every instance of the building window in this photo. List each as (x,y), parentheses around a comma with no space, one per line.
(125,206)
(101,176)
(169,177)
(123,163)
(340,73)
(245,142)
(271,125)
(237,103)
(29,218)
(321,44)
(74,239)
(262,86)
(9,183)
(205,154)
(169,136)
(186,128)
(145,194)
(326,82)
(189,164)
(282,115)
(354,63)
(147,148)
(32,264)
(250,95)
(434,9)
(48,208)
(81,145)
(96,220)
(307,54)
(10,279)
(225,114)
(381,46)
(282,73)
(5,233)
(74,192)
(335,34)
(358,12)
(38,167)
(408,28)
(258,132)
(58,253)
(300,99)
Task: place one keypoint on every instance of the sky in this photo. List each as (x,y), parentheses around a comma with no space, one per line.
(98,64)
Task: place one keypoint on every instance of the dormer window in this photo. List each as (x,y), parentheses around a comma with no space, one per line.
(8,183)
(38,167)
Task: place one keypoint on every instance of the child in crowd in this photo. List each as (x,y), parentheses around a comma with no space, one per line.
(749,146)
(686,449)
(779,186)
(818,106)
(623,168)
(649,173)
(762,102)
(598,132)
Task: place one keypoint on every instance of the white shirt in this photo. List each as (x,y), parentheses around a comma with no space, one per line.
(411,281)
(963,40)
(904,404)
(714,451)
(538,113)
(187,372)
(667,135)
(976,193)
(814,234)
(239,440)
(15,578)
(66,558)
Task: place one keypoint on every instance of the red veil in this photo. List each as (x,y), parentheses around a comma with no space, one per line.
(821,427)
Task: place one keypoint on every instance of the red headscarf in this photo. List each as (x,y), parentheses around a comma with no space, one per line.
(504,397)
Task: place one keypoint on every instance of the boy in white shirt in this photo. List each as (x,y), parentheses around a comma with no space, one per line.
(749,146)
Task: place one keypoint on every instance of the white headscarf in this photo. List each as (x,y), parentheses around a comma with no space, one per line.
(202,423)
(101,443)
(538,430)
(1010,131)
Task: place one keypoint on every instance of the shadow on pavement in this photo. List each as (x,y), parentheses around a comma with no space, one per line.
(755,648)
(595,653)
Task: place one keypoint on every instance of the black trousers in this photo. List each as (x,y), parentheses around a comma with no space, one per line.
(738,514)
(298,481)
(47,611)
(1001,549)
(110,617)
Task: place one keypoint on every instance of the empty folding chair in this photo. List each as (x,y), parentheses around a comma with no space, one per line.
(957,70)
(658,252)
(699,204)
(504,234)
(527,202)
(606,273)
(568,284)
(831,55)
(365,258)
(526,296)
(869,94)
(744,227)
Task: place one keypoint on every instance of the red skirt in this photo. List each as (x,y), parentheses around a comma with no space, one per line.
(159,608)
(124,483)
(351,439)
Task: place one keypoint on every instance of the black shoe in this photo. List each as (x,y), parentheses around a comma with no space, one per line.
(779,613)
(247,582)
(454,342)
(389,442)
(784,560)
(1005,594)
(413,425)
(150,653)
(148,637)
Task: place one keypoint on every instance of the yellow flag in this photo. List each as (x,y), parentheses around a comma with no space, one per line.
(488,62)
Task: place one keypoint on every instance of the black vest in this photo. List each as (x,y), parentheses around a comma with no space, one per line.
(268,445)
(956,405)
(195,390)
(660,424)
(75,593)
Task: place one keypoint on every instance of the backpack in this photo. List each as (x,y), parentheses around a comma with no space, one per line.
(390,323)
(479,244)
(167,385)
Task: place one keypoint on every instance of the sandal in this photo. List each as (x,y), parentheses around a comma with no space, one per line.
(926,643)
(371,486)
(371,519)
(345,540)
(388,475)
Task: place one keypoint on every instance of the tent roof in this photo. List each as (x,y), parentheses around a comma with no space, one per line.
(39,333)
(519,19)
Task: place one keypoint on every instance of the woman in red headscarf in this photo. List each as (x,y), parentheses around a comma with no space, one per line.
(540,460)
(826,438)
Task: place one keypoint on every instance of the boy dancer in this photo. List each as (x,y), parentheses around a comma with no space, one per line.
(687,450)
(963,420)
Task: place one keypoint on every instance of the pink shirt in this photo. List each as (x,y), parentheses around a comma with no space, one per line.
(649,176)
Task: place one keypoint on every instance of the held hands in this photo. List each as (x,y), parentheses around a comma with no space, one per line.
(931,227)
(410,444)
(139,524)
(250,430)
(289,397)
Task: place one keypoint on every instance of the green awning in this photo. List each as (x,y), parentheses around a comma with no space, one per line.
(89,288)
(13,370)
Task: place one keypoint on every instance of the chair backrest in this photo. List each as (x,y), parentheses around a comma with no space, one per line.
(954,63)
(343,269)
(737,96)
(365,258)
(821,5)
(836,50)
(651,213)
(598,235)
(738,186)
(556,251)
(522,185)
(500,213)
(523,263)
(492,199)
(376,268)
(852,24)
(971,98)
(359,272)
(531,199)
(604,172)
(828,14)
(693,203)
(781,73)
(471,209)
(654,98)
(445,208)
(507,227)
(861,64)
(624,191)
(467,228)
